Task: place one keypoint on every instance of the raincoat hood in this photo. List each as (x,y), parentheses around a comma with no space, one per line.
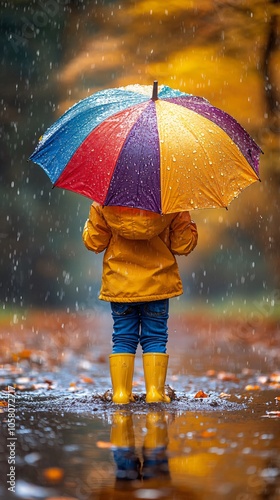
(136,224)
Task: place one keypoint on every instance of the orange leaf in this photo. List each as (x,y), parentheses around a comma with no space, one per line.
(103,444)
(87,380)
(250,387)
(3,403)
(227,377)
(53,474)
(24,354)
(274,385)
(208,433)
(275,378)
(201,394)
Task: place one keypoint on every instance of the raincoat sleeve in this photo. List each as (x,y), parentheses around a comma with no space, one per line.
(183,234)
(96,233)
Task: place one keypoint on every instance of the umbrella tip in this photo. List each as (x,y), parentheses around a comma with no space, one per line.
(155,91)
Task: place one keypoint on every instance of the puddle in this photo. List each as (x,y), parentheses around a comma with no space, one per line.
(219,437)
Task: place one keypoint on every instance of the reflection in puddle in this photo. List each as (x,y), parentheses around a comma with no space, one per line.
(151,453)
(154,450)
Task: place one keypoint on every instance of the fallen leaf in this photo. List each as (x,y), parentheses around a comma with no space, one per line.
(275,377)
(23,354)
(272,414)
(250,387)
(103,444)
(101,359)
(49,382)
(247,371)
(23,380)
(201,394)
(224,395)
(209,433)
(274,385)
(87,380)
(40,385)
(3,403)
(20,387)
(74,388)
(273,380)
(211,373)
(53,474)
(277,398)
(227,377)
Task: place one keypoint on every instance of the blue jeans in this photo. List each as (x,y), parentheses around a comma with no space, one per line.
(144,322)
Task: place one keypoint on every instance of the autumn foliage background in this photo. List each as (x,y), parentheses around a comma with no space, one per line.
(226,51)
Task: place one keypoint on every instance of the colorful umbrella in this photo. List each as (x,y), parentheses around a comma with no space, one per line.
(163,151)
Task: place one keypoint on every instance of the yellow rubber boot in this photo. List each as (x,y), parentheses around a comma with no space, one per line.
(155,369)
(122,431)
(157,436)
(121,369)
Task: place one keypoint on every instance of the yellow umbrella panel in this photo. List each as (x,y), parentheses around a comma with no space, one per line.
(201,166)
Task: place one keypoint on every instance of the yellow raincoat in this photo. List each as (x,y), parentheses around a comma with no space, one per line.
(139,263)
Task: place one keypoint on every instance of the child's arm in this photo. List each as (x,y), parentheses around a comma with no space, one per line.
(96,233)
(183,234)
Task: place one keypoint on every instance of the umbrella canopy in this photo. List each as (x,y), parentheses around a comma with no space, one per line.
(163,151)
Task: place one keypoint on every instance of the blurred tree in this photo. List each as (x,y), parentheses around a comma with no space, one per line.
(54,53)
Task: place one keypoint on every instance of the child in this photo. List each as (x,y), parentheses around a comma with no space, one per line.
(140,274)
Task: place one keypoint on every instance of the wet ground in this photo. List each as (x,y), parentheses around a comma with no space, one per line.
(219,437)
